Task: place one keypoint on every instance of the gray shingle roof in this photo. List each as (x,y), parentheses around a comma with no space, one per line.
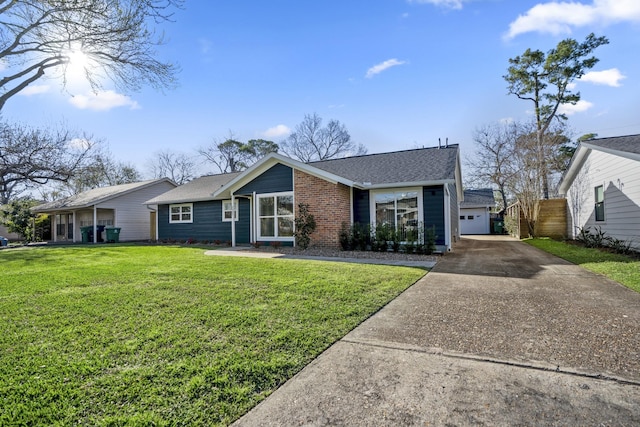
(199,189)
(95,196)
(480,197)
(419,165)
(629,143)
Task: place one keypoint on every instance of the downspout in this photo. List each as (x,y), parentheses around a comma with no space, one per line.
(447,218)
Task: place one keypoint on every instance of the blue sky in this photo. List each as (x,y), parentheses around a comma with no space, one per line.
(397,73)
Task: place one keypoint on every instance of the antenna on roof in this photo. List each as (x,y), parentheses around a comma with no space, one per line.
(439,143)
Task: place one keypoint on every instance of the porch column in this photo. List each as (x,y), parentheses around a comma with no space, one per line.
(233,221)
(95,224)
(54,228)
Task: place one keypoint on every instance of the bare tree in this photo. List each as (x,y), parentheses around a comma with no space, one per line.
(311,142)
(31,157)
(112,36)
(178,167)
(493,161)
(101,171)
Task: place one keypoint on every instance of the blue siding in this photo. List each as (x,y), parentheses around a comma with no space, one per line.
(276,179)
(433,200)
(207,223)
(361,207)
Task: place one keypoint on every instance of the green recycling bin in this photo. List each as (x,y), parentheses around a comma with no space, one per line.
(87,232)
(113,234)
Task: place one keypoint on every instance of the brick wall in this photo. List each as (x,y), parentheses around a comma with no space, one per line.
(330,205)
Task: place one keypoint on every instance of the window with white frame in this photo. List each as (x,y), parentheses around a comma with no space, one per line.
(229,211)
(275,216)
(400,209)
(599,207)
(181,213)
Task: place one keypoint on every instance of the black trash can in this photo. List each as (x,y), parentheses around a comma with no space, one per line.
(99,230)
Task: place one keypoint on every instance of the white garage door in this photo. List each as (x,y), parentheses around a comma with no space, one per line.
(474,221)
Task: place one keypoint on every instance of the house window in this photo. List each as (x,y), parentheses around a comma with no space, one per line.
(400,209)
(275,216)
(229,211)
(599,193)
(181,213)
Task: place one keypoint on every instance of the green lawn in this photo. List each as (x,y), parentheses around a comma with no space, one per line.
(142,335)
(621,268)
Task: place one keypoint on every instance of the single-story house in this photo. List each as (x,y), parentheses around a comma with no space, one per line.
(416,189)
(475,211)
(602,188)
(118,206)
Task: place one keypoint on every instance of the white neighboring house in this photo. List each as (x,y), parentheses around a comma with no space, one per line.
(118,206)
(475,211)
(602,187)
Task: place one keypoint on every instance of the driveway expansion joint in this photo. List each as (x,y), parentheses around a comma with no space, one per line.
(538,366)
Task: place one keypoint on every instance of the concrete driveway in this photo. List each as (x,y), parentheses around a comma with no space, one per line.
(498,333)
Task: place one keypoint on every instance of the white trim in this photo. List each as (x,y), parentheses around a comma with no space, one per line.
(259,236)
(181,221)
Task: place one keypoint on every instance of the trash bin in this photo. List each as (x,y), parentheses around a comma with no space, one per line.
(99,230)
(87,233)
(498,227)
(4,241)
(113,234)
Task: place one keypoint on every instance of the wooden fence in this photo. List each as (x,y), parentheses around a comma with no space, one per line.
(552,219)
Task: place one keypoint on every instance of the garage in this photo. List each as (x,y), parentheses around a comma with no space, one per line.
(475,211)
(474,221)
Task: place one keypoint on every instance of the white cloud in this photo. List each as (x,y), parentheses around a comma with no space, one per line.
(560,17)
(276,131)
(580,107)
(452,4)
(609,77)
(103,101)
(376,69)
(34,90)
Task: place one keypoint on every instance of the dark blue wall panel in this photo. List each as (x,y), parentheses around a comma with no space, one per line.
(207,223)
(361,209)
(277,179)
(433,200)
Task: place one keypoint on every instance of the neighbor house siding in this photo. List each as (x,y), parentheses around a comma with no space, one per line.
(207,223)
(329,203)
(131,215)
(361,206)
(433,208)
(278,178)
(621,181)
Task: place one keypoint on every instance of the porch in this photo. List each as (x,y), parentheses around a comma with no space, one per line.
(67,225)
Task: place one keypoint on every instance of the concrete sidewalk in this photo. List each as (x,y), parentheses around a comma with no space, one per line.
(498,333)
